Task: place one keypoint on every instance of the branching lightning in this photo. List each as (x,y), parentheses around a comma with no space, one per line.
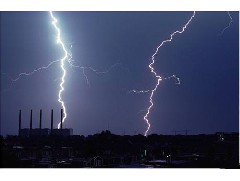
(177,81)
(13,80)
(93,70)
(67,58)
(229,24)
(158,77)
(34,71)
(63,60)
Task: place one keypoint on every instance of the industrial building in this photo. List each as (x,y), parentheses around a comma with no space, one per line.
(28,132)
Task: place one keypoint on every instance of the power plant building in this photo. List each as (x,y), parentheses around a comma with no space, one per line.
(28,132)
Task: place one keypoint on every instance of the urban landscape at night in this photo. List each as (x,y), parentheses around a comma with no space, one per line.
(123,89)
(59,148)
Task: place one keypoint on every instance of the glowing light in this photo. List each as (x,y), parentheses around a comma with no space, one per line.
(67,58)
(66,54)
(158,77)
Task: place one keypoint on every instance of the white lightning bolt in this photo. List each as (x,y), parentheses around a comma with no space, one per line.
(158,77)
(66,58)
(229,24)
(66,54)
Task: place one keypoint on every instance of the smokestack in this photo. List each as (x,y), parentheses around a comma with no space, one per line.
(61,120)
(40,121)
(30,133)
(19,122)
(52,121)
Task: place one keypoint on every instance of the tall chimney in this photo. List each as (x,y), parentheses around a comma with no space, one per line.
(40,121)
(19,122)
(30,132)
(61,120)
(52,122)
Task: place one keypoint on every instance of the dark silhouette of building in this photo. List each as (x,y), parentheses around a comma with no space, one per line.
(110,151)
(28,132)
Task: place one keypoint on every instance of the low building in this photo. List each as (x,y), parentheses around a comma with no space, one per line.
(63,132)
(45,132)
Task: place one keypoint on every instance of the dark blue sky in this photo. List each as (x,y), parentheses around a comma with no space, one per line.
(206,101)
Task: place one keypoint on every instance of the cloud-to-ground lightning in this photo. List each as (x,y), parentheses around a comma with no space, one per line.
(157,76)
(67,58)
(63,60)
(229,24)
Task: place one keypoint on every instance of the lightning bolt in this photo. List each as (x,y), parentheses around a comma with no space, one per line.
(158,77)
(66,54)
(67,58)
(229,24)
(63,60)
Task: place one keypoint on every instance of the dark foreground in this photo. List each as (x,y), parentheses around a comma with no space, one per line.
(220,150)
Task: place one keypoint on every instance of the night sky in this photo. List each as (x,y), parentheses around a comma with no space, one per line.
(206,101)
